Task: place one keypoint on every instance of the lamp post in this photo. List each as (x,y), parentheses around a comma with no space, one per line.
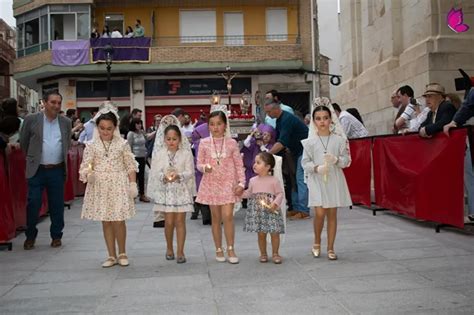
(229,76)
(109,50)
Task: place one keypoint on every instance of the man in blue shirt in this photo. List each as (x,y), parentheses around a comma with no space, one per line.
(45,139)
(291,130)
(272,96)
(88,132)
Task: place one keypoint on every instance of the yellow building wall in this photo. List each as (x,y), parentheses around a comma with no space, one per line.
(167,20)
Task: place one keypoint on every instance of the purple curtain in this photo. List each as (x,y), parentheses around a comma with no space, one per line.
(125,49)
(70,53)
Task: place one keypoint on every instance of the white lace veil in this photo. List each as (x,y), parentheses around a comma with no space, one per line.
(227,134)
(105,108)
(183,145)
(223,108)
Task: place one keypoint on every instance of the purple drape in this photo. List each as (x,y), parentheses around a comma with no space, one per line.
(125,49)
(70,53)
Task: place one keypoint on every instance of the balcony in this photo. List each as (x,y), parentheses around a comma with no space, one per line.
(169,50)
(7,52)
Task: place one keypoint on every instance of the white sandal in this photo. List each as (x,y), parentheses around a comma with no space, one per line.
(316,250)
(109,262)
(220,258)
(232,259)
(123,260)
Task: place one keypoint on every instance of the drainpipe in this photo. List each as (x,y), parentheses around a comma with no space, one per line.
(315,88)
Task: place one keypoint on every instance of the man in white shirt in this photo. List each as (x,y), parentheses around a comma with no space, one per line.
(187,126)
(351,125)
(406,95)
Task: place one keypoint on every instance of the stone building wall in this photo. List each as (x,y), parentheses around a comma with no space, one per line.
(390,43)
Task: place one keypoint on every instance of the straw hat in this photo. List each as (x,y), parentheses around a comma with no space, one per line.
(434,88)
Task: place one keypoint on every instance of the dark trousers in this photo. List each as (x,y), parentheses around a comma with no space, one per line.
(141,174)
(53,180)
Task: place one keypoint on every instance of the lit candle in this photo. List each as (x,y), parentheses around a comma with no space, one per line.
(90,166)
(208,167)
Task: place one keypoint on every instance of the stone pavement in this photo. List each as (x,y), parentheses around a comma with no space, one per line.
(387,264)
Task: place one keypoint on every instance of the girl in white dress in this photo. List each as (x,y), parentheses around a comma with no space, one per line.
(325,154)
(172,174)
(109,169)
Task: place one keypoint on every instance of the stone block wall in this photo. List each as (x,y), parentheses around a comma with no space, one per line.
(387,44)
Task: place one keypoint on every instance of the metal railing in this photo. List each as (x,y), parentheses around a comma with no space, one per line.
(231,40)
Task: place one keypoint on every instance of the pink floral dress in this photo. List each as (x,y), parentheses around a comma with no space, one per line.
(217,187)
(107,199)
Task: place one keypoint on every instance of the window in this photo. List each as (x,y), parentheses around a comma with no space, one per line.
(20,36)
(44,29)
(32,33)
(114,21)
(63,26)
(83,26)
(277,24)
(91,89)
(197,26)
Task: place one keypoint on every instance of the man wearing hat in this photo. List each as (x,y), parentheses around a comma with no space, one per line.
(441,111)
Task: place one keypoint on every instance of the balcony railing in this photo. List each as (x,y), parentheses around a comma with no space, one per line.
(229,40)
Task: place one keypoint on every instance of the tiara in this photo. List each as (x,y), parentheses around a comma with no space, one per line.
(105,108)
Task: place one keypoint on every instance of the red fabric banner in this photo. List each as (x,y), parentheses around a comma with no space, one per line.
(18,186)
(7,221)
(358,174)
(69,184)
(422,178)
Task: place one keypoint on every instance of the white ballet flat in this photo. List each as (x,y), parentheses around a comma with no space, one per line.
(109,262)
(233,260)
(220,258)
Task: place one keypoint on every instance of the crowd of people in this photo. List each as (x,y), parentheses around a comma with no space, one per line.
(137,32)
(286,166)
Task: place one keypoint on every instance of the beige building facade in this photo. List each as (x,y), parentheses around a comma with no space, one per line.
(390,43)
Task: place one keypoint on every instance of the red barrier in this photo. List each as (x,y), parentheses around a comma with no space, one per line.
(19,186)
(7,221)
(421,178)
(358,175)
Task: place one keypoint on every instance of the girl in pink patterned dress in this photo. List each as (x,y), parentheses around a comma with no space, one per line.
(109,169)
(223,181)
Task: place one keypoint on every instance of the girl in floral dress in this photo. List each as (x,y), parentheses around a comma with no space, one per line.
(223,181)
(109,169)
(263,214)
(172,169)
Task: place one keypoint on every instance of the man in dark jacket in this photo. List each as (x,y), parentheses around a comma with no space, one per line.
(441,111)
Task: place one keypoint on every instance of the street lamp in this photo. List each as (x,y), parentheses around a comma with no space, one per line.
(109,50)
(215,98)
